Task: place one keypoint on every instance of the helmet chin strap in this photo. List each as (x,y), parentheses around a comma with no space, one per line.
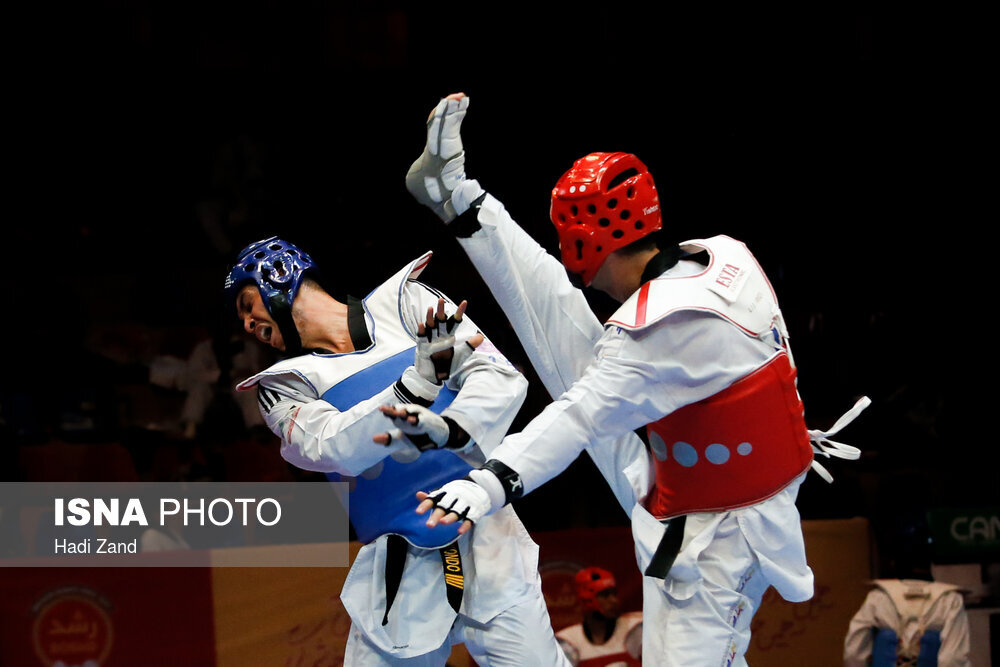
(281,311)
(575,279)
(661,261)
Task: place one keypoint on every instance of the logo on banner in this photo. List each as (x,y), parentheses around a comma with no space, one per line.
(72,627)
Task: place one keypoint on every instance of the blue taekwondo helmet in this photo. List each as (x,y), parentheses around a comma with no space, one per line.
(277,267)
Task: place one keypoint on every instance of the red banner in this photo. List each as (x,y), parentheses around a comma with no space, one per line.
(228,616)
(107,617)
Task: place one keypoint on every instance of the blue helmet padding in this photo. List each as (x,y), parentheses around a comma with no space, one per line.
(275,266)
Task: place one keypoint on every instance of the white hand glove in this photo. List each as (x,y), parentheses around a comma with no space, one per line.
(467,500)
(434,340)
(425,429)
(440,169)
(462,351)
(439,355)
(464,498)
(413,387)
(417,430)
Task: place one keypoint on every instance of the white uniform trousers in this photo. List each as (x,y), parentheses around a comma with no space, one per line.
(520,636)
(712,627)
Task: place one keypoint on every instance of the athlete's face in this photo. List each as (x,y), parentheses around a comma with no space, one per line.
(608,604)
(256,320)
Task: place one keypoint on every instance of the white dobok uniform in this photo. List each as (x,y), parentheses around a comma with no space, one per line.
(325,409)
(622,649)
(610,380)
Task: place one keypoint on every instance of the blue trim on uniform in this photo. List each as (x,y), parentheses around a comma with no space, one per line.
(368,381)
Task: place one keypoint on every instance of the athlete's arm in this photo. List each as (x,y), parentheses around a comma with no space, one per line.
(638,378)
(317,436)
(552,319)
(489,389)
(858,642)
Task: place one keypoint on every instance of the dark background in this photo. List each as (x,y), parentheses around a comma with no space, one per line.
(149,142)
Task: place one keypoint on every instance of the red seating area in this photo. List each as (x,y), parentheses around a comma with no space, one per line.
(59,461)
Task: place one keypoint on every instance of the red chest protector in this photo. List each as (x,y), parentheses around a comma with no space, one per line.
(733,449)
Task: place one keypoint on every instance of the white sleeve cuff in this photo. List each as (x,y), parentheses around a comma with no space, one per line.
(420,388)
(492,485)
(467,192)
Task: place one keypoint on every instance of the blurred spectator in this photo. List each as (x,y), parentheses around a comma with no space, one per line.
(909,622)
(207,377)
(168,537)
(11,540)
(908,619)
(605,636)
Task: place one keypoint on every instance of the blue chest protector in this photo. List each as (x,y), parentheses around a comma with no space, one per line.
(383,500)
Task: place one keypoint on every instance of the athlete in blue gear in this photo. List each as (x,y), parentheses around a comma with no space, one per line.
(387,393)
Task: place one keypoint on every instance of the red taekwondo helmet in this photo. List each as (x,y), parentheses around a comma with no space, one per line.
(589,582)
(603,203)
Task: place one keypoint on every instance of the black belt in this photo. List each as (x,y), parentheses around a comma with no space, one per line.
(668,548)
(395,559)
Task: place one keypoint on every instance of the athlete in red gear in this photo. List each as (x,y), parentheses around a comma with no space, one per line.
(604,637)
(697,356)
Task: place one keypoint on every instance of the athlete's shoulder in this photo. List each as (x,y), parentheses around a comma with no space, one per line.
(631,618)
(725,281)
(571,633)
(293,375)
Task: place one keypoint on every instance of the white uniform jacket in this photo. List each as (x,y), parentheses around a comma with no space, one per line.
(500,561)
(609,381)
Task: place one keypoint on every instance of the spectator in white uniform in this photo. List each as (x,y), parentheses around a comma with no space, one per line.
(908,618)
(909,622)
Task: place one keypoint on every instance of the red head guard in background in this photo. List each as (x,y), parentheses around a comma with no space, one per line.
(603,203)
(589,582)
